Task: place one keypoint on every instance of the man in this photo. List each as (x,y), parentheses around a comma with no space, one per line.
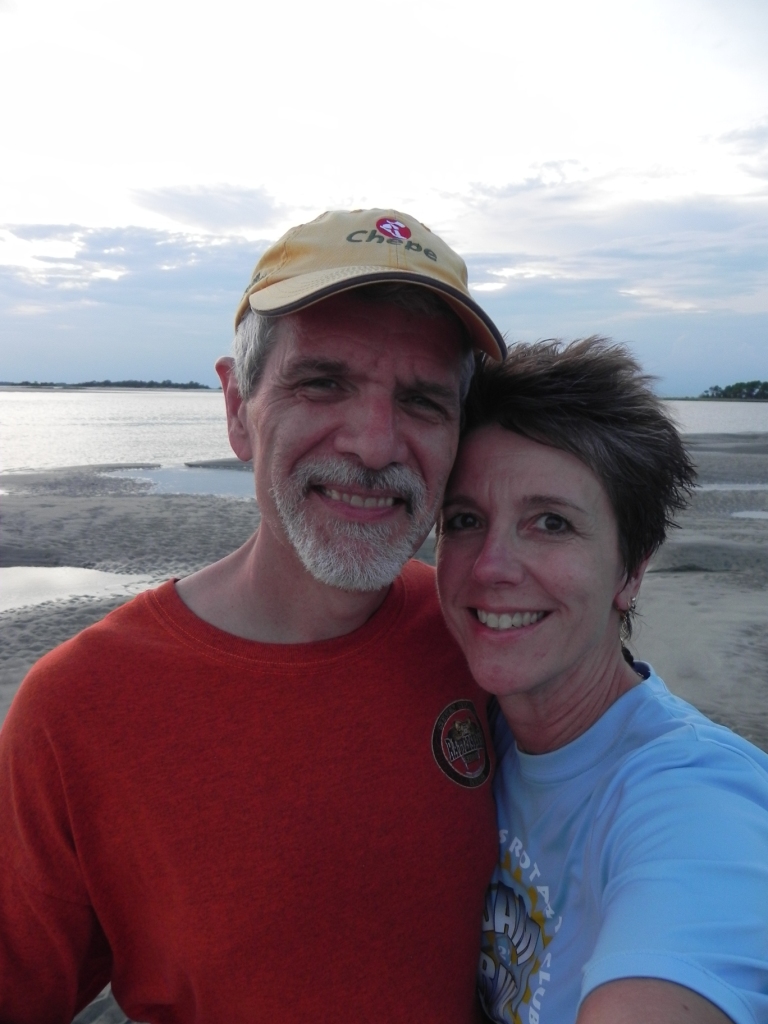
(294,821)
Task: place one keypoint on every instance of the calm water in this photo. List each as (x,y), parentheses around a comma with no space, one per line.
(46,429)
(720,417)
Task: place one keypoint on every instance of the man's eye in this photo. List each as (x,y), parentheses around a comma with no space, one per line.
(460,521)
(321,384)
(551,522)
(424,404)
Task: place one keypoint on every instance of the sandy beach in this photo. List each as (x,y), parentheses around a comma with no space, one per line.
(703,609)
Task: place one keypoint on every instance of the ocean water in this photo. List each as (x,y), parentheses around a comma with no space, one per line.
(49,429)
(720,417)
(226,482)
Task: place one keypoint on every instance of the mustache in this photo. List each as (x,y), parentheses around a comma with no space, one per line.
(400,481)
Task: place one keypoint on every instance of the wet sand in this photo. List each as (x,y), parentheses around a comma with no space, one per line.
(77,517)
(703,608)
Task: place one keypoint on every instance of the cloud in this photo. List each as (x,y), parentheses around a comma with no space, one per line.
(752,143)
(123,302)
(683,282)
(112,263)
(694,253)
(749,140)
(687,350)
(214,208)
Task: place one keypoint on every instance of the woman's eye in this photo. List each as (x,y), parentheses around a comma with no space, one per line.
(550,522)
(461,521)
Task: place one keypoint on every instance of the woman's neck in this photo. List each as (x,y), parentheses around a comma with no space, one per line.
(559,711)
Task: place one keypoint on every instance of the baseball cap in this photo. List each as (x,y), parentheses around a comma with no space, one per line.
(345,249)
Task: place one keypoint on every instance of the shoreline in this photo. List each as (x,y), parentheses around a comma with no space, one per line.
(702,619)
(699,398)
(149,386)
(106,386)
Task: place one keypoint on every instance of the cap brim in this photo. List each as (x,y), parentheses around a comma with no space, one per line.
(297,293)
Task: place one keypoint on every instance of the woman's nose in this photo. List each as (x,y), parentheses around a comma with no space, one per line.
(499,562)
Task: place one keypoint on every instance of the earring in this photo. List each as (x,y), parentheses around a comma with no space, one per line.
(625,621)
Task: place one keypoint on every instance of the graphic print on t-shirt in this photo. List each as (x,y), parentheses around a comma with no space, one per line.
(459,746)
(518,925)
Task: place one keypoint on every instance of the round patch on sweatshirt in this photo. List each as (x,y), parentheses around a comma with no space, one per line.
(459,745)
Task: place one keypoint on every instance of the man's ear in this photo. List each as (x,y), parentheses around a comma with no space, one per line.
(239,438)
(631,585)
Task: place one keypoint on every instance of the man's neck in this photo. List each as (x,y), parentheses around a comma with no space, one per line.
(262,592)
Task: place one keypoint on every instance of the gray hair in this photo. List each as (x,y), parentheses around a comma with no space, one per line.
(591,398)
(257,334)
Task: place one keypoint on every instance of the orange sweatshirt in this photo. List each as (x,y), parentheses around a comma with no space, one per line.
(240,832)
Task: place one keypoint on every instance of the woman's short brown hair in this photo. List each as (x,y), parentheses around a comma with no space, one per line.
(591,398)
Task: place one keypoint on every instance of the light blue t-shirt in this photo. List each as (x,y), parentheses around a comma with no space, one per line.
(638,850)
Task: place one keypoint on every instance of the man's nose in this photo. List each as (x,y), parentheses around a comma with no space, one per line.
(372,431)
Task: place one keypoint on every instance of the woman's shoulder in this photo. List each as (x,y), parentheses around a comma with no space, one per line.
(651,754)
(664,731)
(678,777)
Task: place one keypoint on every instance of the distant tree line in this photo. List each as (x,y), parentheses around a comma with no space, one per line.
(748,389)
(191,385)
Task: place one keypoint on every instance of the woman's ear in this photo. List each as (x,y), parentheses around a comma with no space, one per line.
(239,437)
(623,599)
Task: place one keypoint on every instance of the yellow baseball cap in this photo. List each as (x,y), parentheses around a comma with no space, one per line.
(345,249)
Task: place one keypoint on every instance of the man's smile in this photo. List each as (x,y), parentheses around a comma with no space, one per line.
(358,500)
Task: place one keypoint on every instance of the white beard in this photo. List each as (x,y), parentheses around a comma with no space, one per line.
(349,555)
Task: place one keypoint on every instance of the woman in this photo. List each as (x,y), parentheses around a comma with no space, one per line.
(632,884)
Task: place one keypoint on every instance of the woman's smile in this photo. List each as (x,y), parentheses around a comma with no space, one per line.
(508,620)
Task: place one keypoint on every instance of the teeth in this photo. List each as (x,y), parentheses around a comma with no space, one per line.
(356,501)
(506,621)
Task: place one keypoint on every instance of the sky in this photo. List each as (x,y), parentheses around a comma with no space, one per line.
(602,167)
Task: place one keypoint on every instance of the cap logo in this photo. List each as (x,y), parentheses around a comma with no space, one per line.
(393,228)
(458,745)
